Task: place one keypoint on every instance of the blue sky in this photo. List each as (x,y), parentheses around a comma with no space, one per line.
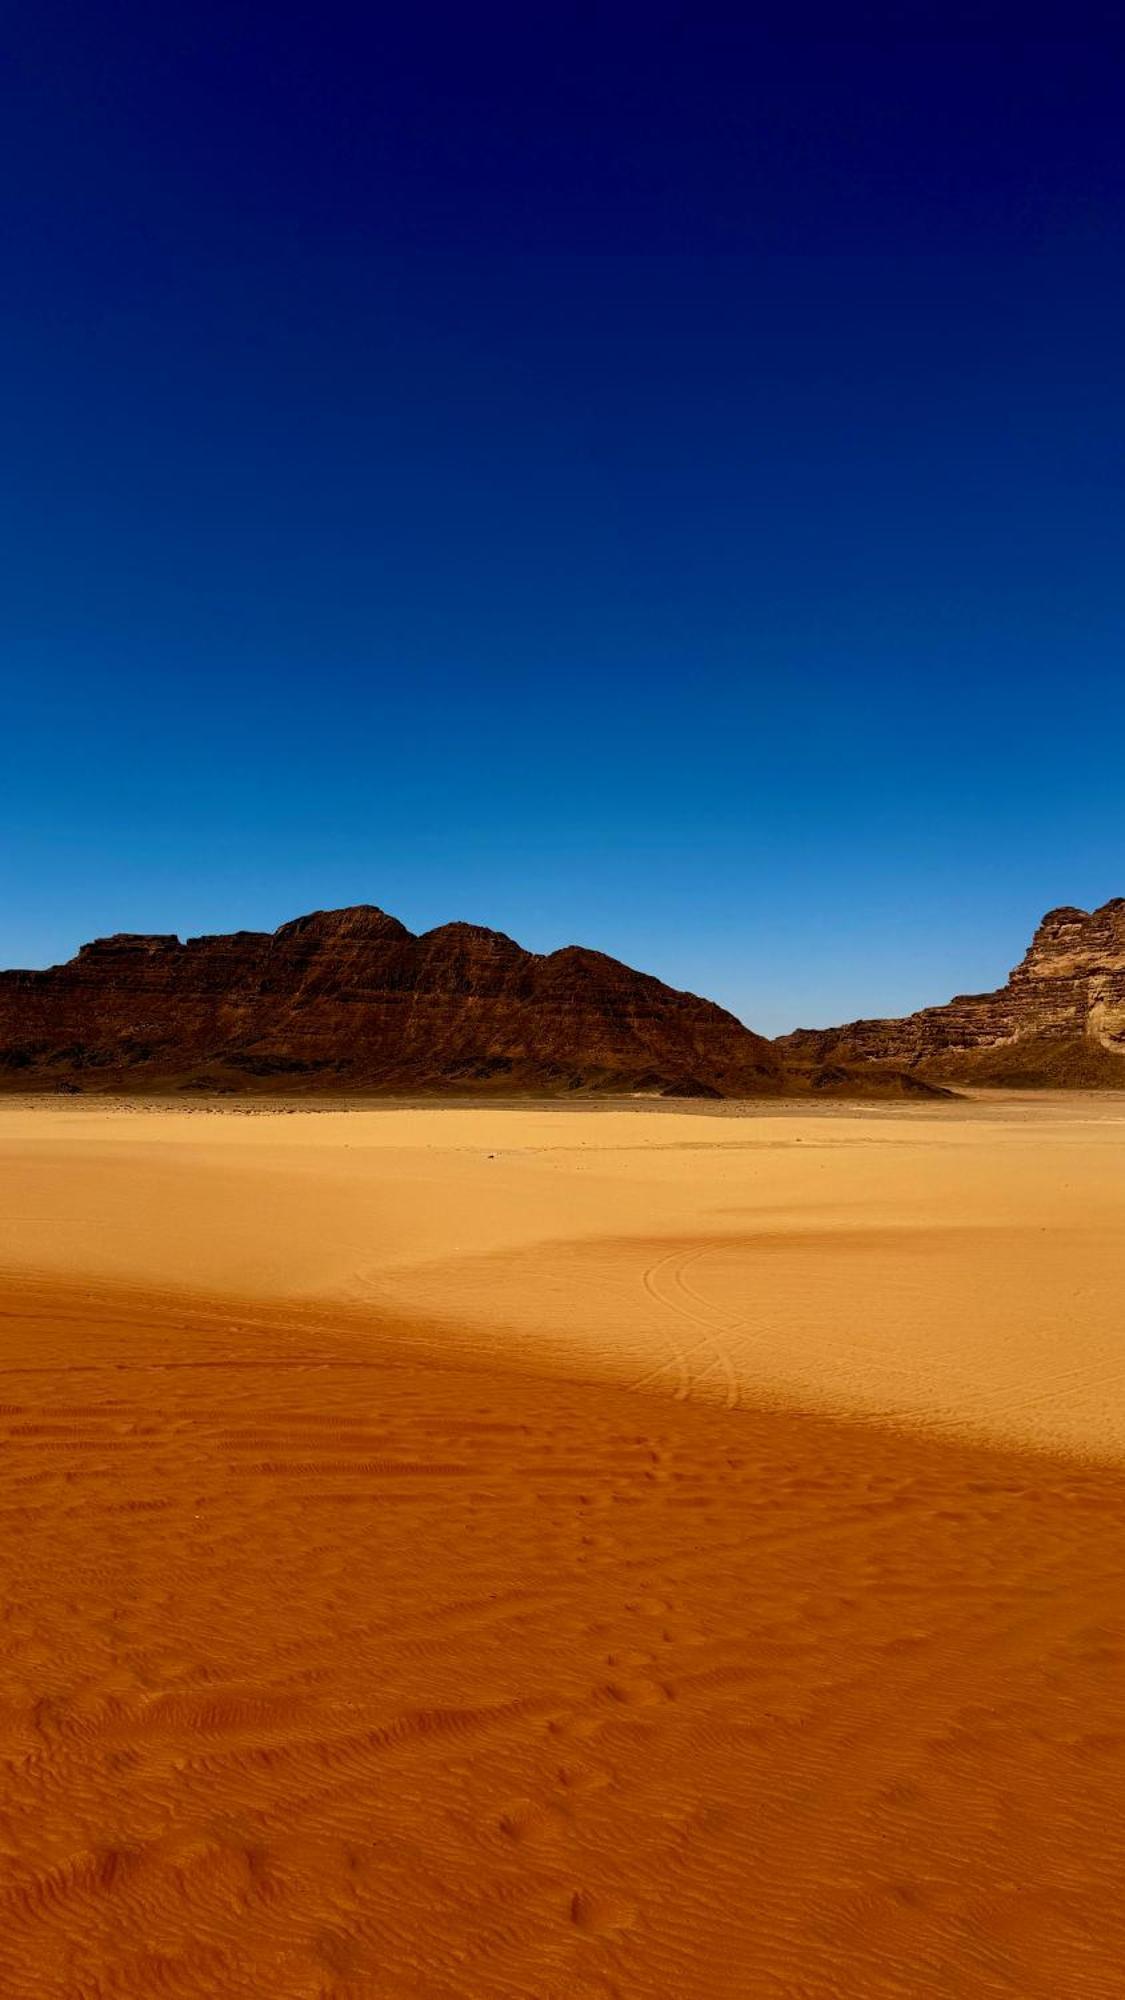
(618,477)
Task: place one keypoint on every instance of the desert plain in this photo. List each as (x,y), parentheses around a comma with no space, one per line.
(539,1553)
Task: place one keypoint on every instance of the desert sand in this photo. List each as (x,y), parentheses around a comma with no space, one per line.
(477,1553)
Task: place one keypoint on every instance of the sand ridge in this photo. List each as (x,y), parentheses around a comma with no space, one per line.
(961,1271)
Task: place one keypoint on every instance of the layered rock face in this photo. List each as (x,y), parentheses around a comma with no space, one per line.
(352,999)
(1059,1019)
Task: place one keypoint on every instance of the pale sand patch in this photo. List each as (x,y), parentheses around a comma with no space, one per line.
(963,1268)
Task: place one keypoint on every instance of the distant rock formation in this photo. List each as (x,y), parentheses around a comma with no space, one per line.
(1060,1020)
(352,1000)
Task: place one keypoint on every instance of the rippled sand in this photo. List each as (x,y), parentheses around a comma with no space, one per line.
(476,1554)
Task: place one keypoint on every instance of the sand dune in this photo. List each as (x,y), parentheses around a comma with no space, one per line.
(424,1574)
(962,1267)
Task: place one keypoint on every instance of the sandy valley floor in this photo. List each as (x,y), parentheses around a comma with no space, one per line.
(497,1554)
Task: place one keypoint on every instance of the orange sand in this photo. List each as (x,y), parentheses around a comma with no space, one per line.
(356,1648)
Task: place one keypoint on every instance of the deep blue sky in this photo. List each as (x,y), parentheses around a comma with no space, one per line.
(614,475)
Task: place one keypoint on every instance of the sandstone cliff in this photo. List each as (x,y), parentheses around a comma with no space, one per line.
(1059,1020)
(350,999)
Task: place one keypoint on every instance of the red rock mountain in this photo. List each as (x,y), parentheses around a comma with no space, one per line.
(1059,1020)
(350,999)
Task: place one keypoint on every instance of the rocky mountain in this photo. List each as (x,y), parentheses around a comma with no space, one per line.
(1059,1020)
(350,999)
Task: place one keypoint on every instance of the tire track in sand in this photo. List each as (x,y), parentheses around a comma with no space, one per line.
(713,1322)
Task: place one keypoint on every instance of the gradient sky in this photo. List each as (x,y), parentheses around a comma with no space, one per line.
(616,475)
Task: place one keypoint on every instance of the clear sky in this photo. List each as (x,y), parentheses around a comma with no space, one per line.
(613,474)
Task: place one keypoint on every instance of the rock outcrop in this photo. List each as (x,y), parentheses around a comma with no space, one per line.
(350,999)
(1059,1020)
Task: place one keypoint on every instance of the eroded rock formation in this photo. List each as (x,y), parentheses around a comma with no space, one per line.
(348,999)
(1060,1018)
